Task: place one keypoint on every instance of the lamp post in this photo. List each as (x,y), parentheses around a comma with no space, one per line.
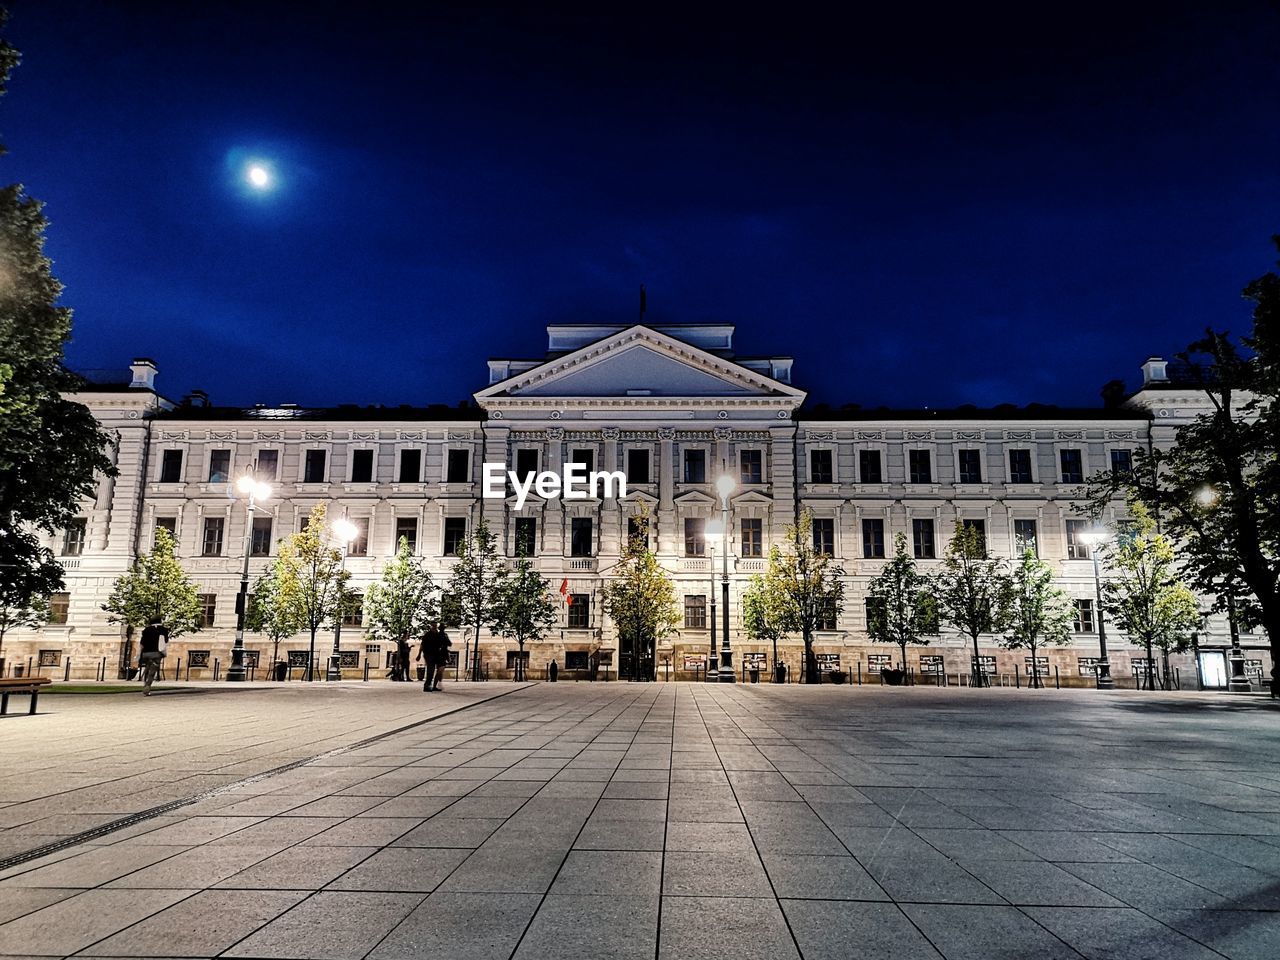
(254,490)
(345,531)
(725,485)
(713,658)
(1095,538)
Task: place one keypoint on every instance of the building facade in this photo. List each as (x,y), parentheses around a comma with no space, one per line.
(671,407)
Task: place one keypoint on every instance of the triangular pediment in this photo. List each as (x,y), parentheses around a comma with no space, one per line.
(639,362)
(694,496)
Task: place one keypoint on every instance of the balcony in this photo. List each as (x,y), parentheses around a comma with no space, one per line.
(582,564)
(695,564)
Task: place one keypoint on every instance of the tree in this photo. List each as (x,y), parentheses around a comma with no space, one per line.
(1039,612)
(765,614)
(312,580)
(1144,595)
(807,585)
(51,449)
(1214,492)
(476,582)
(527,609)
(403,602)
(270,611)
(640,599)
(973,590)
(900,608)
(156,589)
(17,610)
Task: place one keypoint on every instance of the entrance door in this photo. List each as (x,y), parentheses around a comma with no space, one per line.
(1213,668)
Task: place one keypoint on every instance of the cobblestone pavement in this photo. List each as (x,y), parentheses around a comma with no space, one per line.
(691,821)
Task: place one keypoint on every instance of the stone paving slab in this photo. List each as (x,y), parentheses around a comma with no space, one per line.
(689,821)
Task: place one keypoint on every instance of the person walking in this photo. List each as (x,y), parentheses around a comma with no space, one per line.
(427,653)
(402,658)
(151,650)
(443,643)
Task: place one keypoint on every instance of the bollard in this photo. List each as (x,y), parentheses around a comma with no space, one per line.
(216,664)
(1017,678)
(366,669)
(66,670)
(1057,680)
(188,673)
(102,671)
(177,667)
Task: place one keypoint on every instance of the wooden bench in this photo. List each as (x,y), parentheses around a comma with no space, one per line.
(28,685)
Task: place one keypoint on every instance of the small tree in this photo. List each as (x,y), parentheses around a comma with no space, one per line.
(765,614)
(527,608)
(312,580)
(901,608)
(641,601)
(1144,595)
(1039,612)
(476,582)
(270,612)
(973,590)
(156,589)
(403,602)
(17,610)
(807,585)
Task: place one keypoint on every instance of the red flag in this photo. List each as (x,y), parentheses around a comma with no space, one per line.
(564,591)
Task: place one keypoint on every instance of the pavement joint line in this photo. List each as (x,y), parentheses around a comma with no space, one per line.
(17,859)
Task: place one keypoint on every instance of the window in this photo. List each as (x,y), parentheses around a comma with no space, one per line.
(922,539)
(359,545)
(526,536)
(751,463)
(695,466)
(753,537)
(407,529)
(1084,617)
(872,537)
(580,537)
(410,466)
(979,527)
(919,467)
(198,658)
(59,607)
(313,470)
(820,469)
(354,615)
(517,655)
(827,616)
(211,544)
(970,466)
(579,611)
(1020,466)
(455,535)
(219,466)
(585,457)
(638,527)
(873,610)
(171,466)
(695,537)
(260,542)
(268,462)
(362,466)
(637,466)
(208,609)
(1122,461)
(170,524)
(50,658)
(459,468)
(695,611)
(576,660)
(1072,466)
(869,466)
(1077,547)
(73,538)
(1024,537)
(526,463)
(824,536)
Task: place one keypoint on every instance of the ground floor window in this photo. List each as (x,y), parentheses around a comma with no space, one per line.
(50,658)
(517,655)
(578,660)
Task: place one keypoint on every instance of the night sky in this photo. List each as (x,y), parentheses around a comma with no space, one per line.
(924,208)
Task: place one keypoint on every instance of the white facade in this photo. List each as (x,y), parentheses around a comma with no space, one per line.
(671,406)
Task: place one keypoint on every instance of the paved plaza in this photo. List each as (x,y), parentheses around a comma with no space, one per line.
(649,820)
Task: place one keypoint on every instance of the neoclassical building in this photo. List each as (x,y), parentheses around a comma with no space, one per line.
(673,407)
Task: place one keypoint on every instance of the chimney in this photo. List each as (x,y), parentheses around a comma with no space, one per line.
(198,398)
(1154,371)
(144,374)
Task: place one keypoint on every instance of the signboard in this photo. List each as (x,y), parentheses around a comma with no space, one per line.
(827,662)
(879,661)
(297,658)
(1041,667)
(692,662)
(1088,666)
(931,663)
(755,661)
(987,665)
(1253,668)
(453,658)
(1139,667)
(251,658)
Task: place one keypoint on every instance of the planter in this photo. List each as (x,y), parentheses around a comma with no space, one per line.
(838,676)
(780,673)
(893,677)
(754,675)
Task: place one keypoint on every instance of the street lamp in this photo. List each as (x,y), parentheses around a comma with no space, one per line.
(345,531)
(254,491)
(1095,538)
(725,485)
(714,529)
(1208,497)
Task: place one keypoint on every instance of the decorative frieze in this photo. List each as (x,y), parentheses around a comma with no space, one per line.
(819,434)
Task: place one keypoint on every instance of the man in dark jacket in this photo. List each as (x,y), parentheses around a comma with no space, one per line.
(443,643)
(151,648)
(427,652)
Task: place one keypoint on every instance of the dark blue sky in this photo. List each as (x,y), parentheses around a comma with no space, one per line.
(924,208)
